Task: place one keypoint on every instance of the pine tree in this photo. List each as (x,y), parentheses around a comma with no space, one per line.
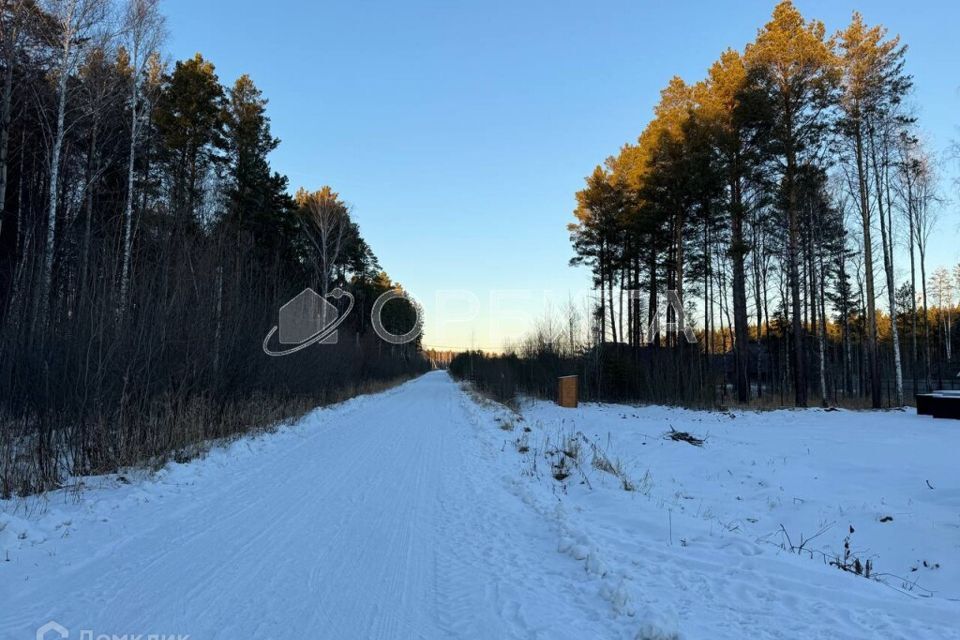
(727,106)
(792,62)
(190,120)
(873,89)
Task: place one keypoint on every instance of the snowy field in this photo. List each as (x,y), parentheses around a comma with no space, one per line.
(422,513)
(705,537)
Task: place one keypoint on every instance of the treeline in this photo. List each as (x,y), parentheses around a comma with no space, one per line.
(609,372)
(146,246)
(781,192)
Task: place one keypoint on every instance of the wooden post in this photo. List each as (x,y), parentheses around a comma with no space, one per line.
(567,392)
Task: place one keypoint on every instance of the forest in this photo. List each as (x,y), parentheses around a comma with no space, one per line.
(146,246)
(781,197)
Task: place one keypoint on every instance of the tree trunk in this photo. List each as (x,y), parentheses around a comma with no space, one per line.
(799,370)
(679,267)
(738,251)
(128,203)
(921,246)
(913,283)
(886,240)
(613,313)
(88,214)
(872,355)
(5,111)
(603,305)
(822,335)
(46,274)
(654,299)
(758,300)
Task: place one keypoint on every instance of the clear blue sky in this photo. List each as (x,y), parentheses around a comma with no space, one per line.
(459,131)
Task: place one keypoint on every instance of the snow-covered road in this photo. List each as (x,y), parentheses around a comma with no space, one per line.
(380,518)
(415,514)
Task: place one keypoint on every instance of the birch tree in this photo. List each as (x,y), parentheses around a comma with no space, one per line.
(327,224)
(70,26)
(904,184)
(143,30)
(14,15)
(887,119)
(925,217)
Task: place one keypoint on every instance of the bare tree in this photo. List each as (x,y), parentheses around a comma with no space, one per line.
(327,225)
(143,28)
(880,146)
(99,90)
(903,184)
(13,21)
(925,217)
(574,321)
(71,25)
(942,286)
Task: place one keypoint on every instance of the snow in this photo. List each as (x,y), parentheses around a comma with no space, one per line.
(700,538)
(413,514)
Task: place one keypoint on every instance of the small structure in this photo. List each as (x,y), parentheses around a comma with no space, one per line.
(567,392)
(939,404)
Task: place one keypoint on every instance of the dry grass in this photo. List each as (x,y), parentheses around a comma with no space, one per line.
(615,467)
(523,444)
(37,454)
(487,399)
